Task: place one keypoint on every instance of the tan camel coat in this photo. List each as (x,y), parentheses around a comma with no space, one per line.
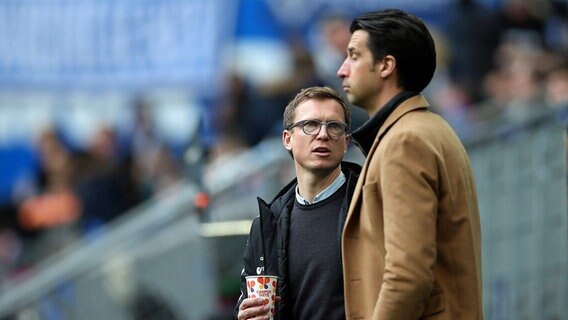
(411,244)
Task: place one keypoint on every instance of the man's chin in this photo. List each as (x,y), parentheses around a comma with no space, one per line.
(324,165)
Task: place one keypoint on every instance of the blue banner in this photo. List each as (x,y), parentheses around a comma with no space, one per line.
(113,44)
(299,12)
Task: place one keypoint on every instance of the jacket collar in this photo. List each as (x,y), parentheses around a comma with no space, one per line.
(287,194)
(405,101)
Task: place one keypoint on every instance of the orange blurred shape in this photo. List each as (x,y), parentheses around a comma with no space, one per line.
(49,210)
(201,200)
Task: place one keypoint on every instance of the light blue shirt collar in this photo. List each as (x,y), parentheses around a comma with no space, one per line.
(326,193)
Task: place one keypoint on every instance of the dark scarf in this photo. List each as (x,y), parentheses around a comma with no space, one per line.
(364,136)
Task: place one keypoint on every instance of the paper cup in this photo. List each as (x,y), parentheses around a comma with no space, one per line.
(263,286)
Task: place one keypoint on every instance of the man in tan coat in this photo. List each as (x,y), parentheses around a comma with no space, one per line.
(411,244)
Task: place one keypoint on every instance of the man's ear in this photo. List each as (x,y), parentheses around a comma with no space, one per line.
(387,66)
(287,140)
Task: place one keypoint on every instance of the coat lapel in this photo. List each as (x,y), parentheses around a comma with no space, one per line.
(416,102)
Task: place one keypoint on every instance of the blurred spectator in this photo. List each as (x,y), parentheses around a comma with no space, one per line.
(105,185)
(490,109)
(48,219)
(330,38)
(145,149)
(451,99)
(229,143)
(302,75)
(473,34)
(556,87)
(556,28)
(514,89)
(56,202)
(230,121)
(522,18)
(232,102)
(262,116)
(167,172)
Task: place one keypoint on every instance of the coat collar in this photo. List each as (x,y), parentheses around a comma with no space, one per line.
(370,133)
(411,104)
(364,136)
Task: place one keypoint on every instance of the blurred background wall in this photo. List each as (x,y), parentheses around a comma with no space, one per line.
(136,135)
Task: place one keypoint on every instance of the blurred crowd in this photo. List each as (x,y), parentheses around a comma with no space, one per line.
(496,68)
(76,191)
(500,67)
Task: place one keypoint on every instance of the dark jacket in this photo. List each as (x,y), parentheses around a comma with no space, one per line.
(266,251)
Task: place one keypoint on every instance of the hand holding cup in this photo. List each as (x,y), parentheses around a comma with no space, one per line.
(261,291)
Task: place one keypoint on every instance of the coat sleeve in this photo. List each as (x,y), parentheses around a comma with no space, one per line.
(251,261)
(409,184)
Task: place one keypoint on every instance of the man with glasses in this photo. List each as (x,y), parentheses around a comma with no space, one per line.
(297,235)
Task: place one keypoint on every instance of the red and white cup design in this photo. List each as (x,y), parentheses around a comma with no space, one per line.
(263,286)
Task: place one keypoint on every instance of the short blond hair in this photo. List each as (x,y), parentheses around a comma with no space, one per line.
(320,93)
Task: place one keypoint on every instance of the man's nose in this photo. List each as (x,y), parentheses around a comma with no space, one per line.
(322,134)
(342,71)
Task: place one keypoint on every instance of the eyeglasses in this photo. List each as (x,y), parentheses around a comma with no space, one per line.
(313,127)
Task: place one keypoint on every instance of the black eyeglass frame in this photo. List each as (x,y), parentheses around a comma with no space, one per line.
(302,124)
